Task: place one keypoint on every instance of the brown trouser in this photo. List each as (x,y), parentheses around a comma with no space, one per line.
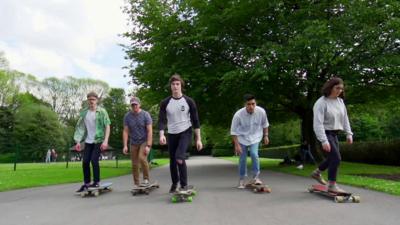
(139,159)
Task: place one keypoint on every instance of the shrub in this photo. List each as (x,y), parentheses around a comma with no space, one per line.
(379,152)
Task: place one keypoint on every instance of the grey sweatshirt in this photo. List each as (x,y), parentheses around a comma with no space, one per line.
(330,114)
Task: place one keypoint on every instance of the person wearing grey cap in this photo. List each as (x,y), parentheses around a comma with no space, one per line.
(138,127)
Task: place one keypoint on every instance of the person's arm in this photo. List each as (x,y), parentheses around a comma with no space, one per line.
(346,127)
(162,121)
(199,144)
(265,135)
(236,144)
(234,126)
(318,125)
(79,133)
(265,125)
(107,122)
(125,135)
(104,145)
(194,118)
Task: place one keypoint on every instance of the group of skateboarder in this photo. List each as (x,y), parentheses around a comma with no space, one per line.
(178,114)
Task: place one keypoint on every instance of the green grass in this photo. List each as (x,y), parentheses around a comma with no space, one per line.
(41,174)
(346,173)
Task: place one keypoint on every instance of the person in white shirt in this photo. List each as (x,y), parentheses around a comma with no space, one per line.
(330,117)
(249,127)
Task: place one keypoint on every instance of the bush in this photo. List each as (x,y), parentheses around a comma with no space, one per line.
(279,152)
(218,152)
(380,152)
(7,158)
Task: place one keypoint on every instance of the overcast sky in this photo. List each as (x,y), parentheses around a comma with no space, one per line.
(65,38)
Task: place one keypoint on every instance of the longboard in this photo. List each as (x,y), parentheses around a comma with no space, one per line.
(258,188)
(338,197)
(96,191)
(145,189)
(183,195)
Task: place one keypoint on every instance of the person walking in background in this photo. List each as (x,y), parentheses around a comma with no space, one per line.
(48,156)
(330,117)
(138,127)
(93,126)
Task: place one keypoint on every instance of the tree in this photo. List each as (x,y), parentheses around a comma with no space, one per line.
(37,129)
(4,64)
(116,107)
(282,51)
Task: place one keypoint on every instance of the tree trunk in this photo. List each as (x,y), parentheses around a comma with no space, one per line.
(307,133)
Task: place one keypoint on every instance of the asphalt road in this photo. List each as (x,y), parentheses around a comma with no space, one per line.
(217,202)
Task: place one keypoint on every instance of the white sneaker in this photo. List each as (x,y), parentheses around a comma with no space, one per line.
(257,181)
(145,182)
(135,186)
(300,167)
(241,184)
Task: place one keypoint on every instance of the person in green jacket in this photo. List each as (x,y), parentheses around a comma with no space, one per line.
(94,128)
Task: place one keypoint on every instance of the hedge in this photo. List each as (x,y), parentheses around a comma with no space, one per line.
(378,152)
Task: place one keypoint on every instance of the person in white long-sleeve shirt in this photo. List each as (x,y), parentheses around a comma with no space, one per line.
(249,127)
(330,117)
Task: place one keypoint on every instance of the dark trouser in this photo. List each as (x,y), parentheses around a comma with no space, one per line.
(333,160)
(91,154)
(177,146)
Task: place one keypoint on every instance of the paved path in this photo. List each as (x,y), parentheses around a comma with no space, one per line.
(217,202)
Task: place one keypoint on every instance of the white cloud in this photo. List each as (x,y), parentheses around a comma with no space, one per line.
(65,37)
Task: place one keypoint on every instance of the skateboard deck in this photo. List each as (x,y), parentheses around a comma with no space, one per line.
(183,195)
(145,189)
(96,191)
(338,197)
(258,188)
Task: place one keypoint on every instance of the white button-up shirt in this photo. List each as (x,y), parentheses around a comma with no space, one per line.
(249,127)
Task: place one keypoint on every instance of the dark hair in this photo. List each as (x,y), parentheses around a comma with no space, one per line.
(92,94)
(248,97)
(177,77)
(328,86)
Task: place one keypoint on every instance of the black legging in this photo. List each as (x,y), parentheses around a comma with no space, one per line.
(333,160)
(177,147)
(91,154)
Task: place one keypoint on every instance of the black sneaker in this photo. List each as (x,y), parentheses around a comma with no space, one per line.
(187,187)
(173,188)
(94,185)
(82,188)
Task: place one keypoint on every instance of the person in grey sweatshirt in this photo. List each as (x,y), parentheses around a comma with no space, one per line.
(330,117)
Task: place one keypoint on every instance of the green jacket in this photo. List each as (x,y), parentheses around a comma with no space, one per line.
(102,120)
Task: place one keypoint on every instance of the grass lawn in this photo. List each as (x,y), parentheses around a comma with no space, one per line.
(41,174)
(346,173)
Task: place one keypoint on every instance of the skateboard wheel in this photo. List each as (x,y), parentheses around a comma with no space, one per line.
(339,199)
(96,194)
(82,194)
(255,190)
(146,192)
(190,199)
(174,199)
(194,193)
(310,190)
(356,199)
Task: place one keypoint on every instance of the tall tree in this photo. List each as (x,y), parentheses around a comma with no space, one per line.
(116,107)
(283,51)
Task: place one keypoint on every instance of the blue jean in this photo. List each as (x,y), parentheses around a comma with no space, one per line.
(254,160)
